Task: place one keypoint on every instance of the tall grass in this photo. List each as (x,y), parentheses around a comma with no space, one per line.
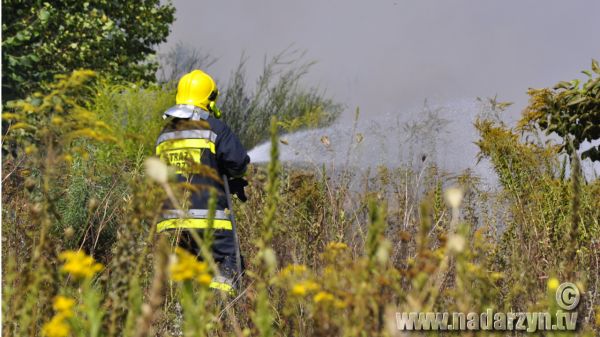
(277,92)
(324,259)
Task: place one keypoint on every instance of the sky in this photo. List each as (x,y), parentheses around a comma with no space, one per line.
(388,56)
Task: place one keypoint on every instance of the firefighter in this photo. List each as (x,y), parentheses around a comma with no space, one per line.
(202,149)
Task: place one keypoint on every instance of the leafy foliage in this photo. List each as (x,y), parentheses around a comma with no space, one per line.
(42,39)
(571,110)
(53,123)
(560,215)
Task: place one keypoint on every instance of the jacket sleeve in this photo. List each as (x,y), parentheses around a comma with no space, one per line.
(231,155)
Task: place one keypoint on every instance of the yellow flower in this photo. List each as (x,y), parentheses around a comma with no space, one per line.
(335,246)
(292,269)
(79,264)
(57,327)
(323,296)
(439,254)
(30,149)
(471,268)
(204,279)
(56,120)
(187,267)
(553,283)
(299,290)
(333,250)
(181,274)
(63,305)
(329,271)
(496,276)
(302,288)
(339,304)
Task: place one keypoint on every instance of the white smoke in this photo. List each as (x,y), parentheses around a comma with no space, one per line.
(440,134)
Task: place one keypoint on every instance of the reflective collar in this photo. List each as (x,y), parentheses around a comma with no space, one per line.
(187,134)
(186,111)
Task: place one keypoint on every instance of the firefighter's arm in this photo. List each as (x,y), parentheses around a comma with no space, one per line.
(231,155)
(233,160)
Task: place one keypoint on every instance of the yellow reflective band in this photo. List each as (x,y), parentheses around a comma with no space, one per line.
(192,223)
(180,144)
(222,286)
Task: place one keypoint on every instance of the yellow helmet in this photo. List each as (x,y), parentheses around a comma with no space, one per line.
(197,88)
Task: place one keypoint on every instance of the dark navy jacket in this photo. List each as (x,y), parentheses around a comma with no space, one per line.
(202,152)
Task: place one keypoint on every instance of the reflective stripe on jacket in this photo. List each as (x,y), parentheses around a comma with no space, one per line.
(193,218)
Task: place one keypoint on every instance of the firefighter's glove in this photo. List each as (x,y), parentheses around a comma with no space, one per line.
(236,186)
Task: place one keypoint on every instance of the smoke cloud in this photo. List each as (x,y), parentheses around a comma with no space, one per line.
(388,56)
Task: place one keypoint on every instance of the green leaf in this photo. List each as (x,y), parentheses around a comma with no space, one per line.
(12,61)
(8,41)
(577,100)
(21,37)
(562,85)
(44,15)
(595,66)
(81,31)
(25,61)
